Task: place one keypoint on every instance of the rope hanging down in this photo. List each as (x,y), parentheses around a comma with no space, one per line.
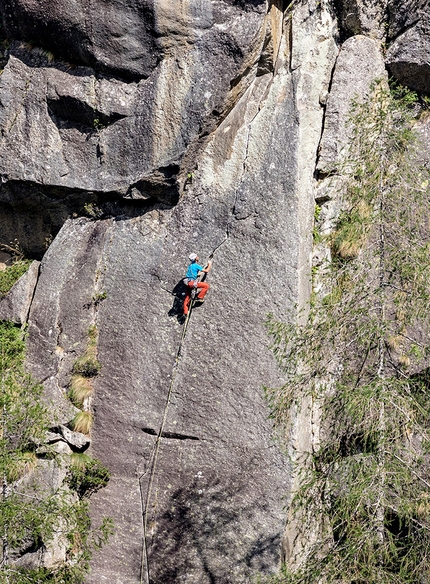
(144,563)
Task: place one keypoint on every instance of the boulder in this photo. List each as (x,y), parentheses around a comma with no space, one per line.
(116,37)
(403,14)
(76,440)
(408,57)
(16,304)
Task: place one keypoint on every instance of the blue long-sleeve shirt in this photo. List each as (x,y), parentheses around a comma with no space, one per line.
(193,271)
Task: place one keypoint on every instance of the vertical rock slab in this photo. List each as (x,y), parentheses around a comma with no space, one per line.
(16,304)
(364,17)
(359,63)
(214,512)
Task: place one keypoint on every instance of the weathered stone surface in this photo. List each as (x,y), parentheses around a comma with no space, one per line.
(61,410)
(408,57)
(365,17)
(16,304)
(359,63)
(403,14)
(72,137)
(123,37)
(409,33)
(77,440)
(226,437)
(215,504)
(45,480)
(116,38)
(100,134)
(313,57)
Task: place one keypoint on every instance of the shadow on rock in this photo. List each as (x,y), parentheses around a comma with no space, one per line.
(179,292)
(212,533)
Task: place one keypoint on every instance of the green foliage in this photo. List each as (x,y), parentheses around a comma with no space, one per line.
(87,475)
(87,366)
(33,514)
(99,296)
(92,211)
(361,358)
(315,232)
(82,542)
(425,99)
(11,274)
(24,420)
(98,123)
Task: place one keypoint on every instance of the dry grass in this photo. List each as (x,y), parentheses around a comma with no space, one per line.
(80,460)
(349,238)
(93,336)
(394,342)
(404,360)
(423,507)
(82,423)
(349,249)
(80,389)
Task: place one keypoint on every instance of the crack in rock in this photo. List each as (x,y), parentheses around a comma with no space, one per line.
(171,435)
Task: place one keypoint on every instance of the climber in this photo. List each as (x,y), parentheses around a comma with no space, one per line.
(192,282)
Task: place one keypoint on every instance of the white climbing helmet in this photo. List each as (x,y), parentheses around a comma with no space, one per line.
(192,257)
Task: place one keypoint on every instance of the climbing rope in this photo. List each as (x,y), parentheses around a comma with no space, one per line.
(144,563)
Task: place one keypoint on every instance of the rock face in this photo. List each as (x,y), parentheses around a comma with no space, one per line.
(407,55)
(359,63)
(132,134)
(363,17)
(16,304)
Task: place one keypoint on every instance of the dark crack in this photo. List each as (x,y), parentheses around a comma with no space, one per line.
(318,175)
(170,435)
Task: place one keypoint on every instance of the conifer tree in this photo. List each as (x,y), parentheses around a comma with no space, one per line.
(362,354)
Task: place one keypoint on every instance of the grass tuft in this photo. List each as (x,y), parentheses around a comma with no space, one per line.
(86,366)
(79,460)
(82,423)
(87,475)
(405,360)
(80,390)
(350,236)
(394,342)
